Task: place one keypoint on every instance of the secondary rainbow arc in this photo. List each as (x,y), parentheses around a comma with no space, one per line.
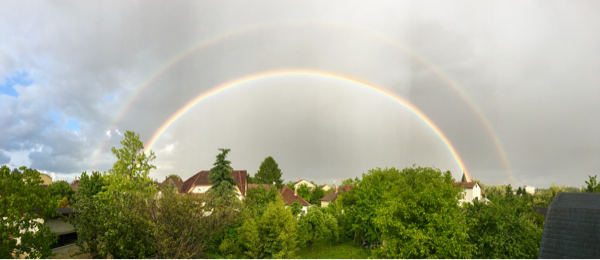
(249,78)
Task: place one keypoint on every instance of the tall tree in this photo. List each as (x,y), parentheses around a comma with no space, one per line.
(315,226)
(105,221)
(22,201)
(269,172)
(61,189)
(305,192)
(592,185)
(223,186)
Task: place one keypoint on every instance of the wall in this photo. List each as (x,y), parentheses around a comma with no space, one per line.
(47,179)
(324,203)
(59,227)
(304,182)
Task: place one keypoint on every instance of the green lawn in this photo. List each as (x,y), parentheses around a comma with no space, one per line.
(339,250)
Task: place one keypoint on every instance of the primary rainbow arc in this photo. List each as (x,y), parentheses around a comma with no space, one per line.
(381,90)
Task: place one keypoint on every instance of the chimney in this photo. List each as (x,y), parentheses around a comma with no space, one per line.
(296,193)
(298,179)
(336,189)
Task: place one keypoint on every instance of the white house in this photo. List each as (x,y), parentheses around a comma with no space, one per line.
(529,189)
(303,181)
(472,190)
(325,187)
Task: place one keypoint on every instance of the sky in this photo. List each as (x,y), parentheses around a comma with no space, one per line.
(505,90)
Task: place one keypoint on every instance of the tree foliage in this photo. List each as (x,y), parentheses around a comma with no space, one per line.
(305,192)
(179,227)
(64,203)
(223,185)
(506,228)
(316,194)
(316,225)
(420,216)
(350,181)
(105,222)
(269,172)
(61,189)
(257,199)
(22,202)
(90,185)
(272,235)
(592,185)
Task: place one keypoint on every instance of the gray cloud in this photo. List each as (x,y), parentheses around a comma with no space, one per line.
(4,159)
(532,69)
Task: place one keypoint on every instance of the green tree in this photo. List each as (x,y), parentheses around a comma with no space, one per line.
(61,189)
(90,185)
(296,208)
(291,185)
(350,181)
(106,221)
(269,172)
(506,228)
(223,190)
(316,226)
(174,176)
(272,235)
(420,217)
(305,192)
(592,185)
(519,191)
(257,199)
(22,201)
(316,195)
(495,191)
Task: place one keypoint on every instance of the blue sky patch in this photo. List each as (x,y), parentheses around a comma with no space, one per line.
(110,97)
(55,116)
(73,124)
(17,78)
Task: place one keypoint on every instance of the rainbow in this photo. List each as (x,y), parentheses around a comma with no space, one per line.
(269,74)
(263,26)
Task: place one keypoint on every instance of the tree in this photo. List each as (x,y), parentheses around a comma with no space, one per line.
(269,172)
(296,208)
(257,199)
(316,225)
(272,235)
(174,176)
(592,185)
(350,181)
(64,203)
(291,185)
(179,226)
(519,191)
(305,192)
(22,202)
(61,189)
(317,194)
(223,185)
(506,228)
(495,191)
(105,221)
(420,216)
(90,185)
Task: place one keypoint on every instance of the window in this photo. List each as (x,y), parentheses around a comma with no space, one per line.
(64,240)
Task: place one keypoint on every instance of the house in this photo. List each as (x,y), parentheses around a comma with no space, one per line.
(472,190)
(529,189)
(290,196)
(47,180)
(325,187)
(331,197)
(75,184)
(177,182)
(199,183)
(572,227)
(303,181)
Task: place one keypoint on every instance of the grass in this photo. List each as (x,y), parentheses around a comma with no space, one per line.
(335,250)
(325,250)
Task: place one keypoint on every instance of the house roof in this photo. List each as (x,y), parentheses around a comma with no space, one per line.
(176,181)
(75,184)
(466,185)
(289,197)
(299,180)
(331,197)
(201,178)
(541,210)
(572,227)
(252,186)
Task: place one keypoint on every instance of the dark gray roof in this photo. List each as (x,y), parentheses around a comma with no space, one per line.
(541,210)
(572,227)
(65,211)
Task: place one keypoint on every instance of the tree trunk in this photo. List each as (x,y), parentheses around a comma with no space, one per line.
(310,243)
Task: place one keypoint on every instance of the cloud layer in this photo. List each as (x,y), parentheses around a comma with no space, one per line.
(95,70)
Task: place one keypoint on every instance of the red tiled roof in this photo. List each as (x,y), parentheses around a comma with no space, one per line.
(466,185)
(289,197)
(252,186)
(176,181)
(331,197)
(201,178)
